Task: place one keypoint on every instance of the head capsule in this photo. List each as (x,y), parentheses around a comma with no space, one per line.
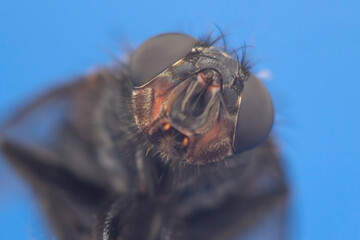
(195,102)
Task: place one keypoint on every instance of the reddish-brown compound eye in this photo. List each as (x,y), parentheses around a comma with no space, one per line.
(157,54)
(255,117)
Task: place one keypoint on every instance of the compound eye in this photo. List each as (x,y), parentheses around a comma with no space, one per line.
(157,54)
(255,117)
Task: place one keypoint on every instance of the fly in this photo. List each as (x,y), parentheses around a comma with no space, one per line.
(172,145)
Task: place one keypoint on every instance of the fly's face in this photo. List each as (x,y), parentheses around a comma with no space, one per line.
(196,103)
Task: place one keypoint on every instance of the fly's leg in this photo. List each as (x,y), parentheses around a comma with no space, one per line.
(69,201)
(145,173)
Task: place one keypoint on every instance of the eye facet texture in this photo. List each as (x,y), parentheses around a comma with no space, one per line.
(157,54)
(255,117)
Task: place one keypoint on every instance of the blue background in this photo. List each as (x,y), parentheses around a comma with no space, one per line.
(311,49)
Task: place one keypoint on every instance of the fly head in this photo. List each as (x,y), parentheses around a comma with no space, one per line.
(195,102)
